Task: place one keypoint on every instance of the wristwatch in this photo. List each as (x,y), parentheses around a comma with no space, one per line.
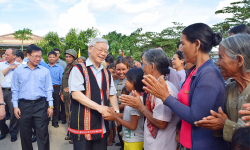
(51,107)
(117,111)
(3,103)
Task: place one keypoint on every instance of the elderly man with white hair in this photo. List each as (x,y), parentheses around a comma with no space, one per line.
(91,86)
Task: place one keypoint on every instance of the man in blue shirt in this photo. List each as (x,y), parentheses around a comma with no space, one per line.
(32,99)
(56,72)
(62,63)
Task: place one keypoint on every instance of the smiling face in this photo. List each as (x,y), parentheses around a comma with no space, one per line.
(35,57)
(188,49)
(227,65)
(177,63)
(121,70)
(98,53)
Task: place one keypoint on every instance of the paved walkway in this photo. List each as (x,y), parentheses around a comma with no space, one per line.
(56,136)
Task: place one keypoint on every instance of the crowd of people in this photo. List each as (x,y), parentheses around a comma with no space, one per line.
(180,103)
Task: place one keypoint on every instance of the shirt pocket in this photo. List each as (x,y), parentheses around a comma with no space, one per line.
(40,78)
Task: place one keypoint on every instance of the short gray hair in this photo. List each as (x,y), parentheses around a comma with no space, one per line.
(98,40)
(14,51)
(159,58)
(82,57)
(238,44)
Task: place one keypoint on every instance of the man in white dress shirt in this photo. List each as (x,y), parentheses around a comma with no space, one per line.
(7,68)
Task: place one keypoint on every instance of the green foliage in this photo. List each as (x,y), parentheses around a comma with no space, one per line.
(74,40)
(137,42)
(167,39)
(118,43)
(23,35)
(240,15)
(51,40)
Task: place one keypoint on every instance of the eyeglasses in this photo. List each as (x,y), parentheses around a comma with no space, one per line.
(37,57)
(101,51)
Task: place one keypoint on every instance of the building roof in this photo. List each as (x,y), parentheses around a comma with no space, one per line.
(9,40)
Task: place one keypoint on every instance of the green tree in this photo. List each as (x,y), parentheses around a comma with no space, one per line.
(167,39)
(51,40)
(76,39)
(22,35)
(118,43)
(240,15)
(137,41)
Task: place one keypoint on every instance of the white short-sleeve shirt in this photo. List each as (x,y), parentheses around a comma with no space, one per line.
(76,81)
(165,138)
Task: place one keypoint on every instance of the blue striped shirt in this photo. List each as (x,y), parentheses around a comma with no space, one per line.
(31,84)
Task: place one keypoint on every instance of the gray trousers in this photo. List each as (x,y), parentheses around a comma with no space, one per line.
(14,127)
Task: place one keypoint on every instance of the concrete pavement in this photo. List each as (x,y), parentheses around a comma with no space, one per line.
(56,136)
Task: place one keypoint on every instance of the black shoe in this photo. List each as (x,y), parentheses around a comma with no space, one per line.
(3,135)
(13,138)
(118,144)
(55,125)
(33,139)
(63,121)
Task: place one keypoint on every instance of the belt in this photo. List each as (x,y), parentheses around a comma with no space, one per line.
(32,101)
(54,86)
(6,89)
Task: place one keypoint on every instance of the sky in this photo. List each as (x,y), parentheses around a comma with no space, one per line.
(124,16)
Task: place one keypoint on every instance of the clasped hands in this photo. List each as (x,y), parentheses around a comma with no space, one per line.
(109,114)
(217,120)
(214,122)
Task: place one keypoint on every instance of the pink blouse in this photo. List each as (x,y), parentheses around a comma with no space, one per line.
(185,133)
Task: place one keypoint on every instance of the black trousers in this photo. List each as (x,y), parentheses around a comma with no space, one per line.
(13,127)
(62,111)
(100,144)
(3,127)
(56,103)
(37,112)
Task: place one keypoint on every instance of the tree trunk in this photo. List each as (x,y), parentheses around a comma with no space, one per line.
(22,45)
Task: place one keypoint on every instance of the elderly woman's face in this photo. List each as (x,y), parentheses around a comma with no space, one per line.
(188,49)
(227,66)
(146,67)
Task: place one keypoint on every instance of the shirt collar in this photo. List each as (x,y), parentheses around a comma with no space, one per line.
(56,65)
(89,63)
(26,66)
(15,62)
